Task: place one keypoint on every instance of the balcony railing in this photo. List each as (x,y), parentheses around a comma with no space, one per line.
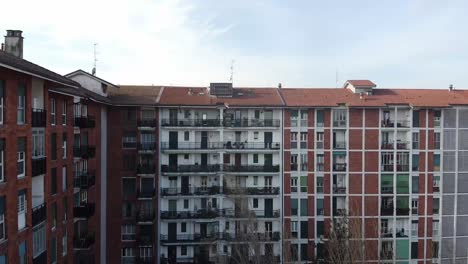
(398,123)
(146,169)
(257,213)
(38,117)
(191,168)
(402,211)
(145,260)
(191,145)
(202,213)
(251,123)
(251,145)
(251,168)
(145,216)
(339,166)
(84,211)
(85,121)
(41,258)
(84,180)
(191,191)
(84,241)
(387,145)
(147,146)
(84,151)
(386,210)
(39,214)
(251,190)
(402,144)
(339,145)
(386,189)
(402,167)
(39,166)
(339,189)
(259,236)
(146,193)
(146,122)
(191,122)
(386,232)
(387,167)
(145,240)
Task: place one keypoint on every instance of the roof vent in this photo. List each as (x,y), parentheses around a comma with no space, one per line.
(280,85)
(450,87)
(221,89)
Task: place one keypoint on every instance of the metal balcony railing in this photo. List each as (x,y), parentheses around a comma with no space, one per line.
(84,211)
(339,166)
(39,214)
(85,121)
(211,190)
(145,260)
(146,169)
(84,151)
(339,145)
(402,167)
(252,190)
(145,240)
(251,145)
(191,168)
(146,146)
(39,166)
(191,145)
(339,123)
(339,189)
(84,179)
(146,193)
(41,258)
(251,168)
(388,210)
(146,122)
(145,216)
(402,211)
(251,122)
(386,232)
(191,122)
(38,117)
(84,241)
(201,213)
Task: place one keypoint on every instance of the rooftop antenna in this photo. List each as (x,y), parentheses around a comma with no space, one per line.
(95,59)
(232,72)
(336,78)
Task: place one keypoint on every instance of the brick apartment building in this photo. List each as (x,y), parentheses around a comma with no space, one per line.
(92,172)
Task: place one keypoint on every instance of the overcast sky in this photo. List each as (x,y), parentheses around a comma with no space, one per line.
(395,43)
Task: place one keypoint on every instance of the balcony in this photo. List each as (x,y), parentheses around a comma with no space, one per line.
(147,193)
(84,241)
(386,210)
(38,117)
(191,145)
(251,168)
(38,165)
(252,190)
(84,211)
(146,122)
(339,166)
(258,236)
(145,216)
(201,213)
(257,214)
(387,232)
(39,214)
(84,151)
(41,258)
(339,189)
(191,191)
(84,180)
(191,168)
(85,121)
(252,145)
(251,123)
(145,240)
(399,123)
(339,123)
(145,260)
(190,122)
(402,144)
(402,211)
(146,146)
(401,167)
(146,169)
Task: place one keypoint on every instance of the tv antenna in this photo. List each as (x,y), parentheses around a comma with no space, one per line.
(232,72)
(95,59)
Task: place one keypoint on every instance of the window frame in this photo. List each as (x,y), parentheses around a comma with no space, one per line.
(64,112)
(53,112)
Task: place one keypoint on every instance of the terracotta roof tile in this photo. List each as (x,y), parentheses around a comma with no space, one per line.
(362,83)
(134,95)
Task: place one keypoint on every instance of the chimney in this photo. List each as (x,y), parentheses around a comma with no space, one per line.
(14,43)
(280,85)
(450,87)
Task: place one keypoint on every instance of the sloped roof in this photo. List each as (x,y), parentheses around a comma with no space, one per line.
(135,95)
(22,65)
(199,96)
(361,83)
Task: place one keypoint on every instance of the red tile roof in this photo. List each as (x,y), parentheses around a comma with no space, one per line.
(361,83)
(321,97)
(199,96)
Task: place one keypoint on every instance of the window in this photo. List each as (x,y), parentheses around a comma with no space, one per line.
(293,140)
(39,239)
(183,227)
(339,117)
(128,232)
(183,250)
(255,203)
(2,219)
(64,242)
(319,142)
(320,228)
(65,208)
(64,178)
(53,257)
(386,184)
(319,184)
(436,140)
(437,115)
(303,118)
(436,162)
(186,203)
(320,118)
(64,145)
(435,206)
(64,112)
(414,228)
(294,166)
(320,210)
(128,253)
(186,135)
(38,143)
(127,209)
(414,250)
(23,259)
(294,206)
(129,139)
(2,160)
(187,114)
(255,180)
(293,184)
(294,117)
(294,232)
(255,135)
(146,252)
(415,140)
(414,206)
(415,162)
(2,95)
(435,228)
(320,161)
(303,181)
(186,156)
(304,229)
(436,183)
(415,118)
(304,162)
(53,109)
(53,209)
(21,157)
(53,181)
(22,209)
(53,146)
(435,249)
(21,113)
(129,162)
(129,187)
(387,161)
(255,158)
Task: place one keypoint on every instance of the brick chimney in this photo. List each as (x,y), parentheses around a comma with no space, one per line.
(14,43)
